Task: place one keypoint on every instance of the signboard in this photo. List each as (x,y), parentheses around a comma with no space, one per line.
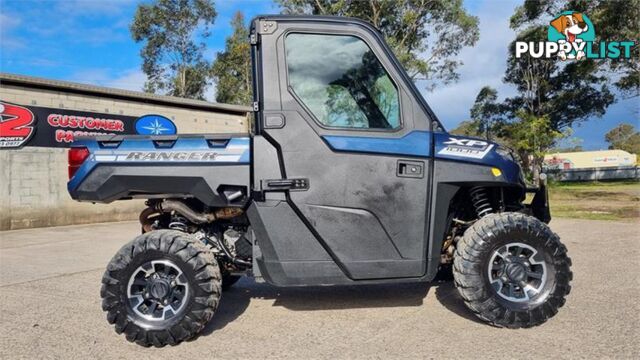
(52,127)
(16,125)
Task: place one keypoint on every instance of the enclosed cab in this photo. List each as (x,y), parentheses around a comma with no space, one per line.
(347,178)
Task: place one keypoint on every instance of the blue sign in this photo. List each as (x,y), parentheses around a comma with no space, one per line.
(155,125)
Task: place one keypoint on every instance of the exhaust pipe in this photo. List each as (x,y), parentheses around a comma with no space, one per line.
(149,214)
(184,210)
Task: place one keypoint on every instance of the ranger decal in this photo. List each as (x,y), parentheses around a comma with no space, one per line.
(170,156)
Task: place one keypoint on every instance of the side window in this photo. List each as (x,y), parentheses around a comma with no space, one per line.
(341,81)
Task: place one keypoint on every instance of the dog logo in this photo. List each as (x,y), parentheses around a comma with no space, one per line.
(572,36)
(16,125)
(574,29)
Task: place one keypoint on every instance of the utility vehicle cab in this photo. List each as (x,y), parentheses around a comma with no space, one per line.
(347,178)
(369,170)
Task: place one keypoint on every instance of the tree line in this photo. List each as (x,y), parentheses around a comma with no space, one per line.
(426,35)
(554,96)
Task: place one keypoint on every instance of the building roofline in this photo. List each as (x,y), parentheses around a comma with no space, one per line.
(119,94)
(588,152)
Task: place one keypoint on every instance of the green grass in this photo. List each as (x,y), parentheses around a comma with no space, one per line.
(600,185)
(611,200)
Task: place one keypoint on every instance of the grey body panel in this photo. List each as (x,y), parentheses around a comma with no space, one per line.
(290,255)
(346,189)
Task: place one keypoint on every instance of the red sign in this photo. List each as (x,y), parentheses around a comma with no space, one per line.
(16,125)
(50,127)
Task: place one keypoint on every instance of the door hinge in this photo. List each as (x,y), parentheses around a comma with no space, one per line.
(267,27)
(256,106)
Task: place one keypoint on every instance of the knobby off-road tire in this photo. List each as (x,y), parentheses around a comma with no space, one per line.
(161,264)
(501,251)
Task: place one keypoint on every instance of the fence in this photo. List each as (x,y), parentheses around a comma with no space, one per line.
(595,174)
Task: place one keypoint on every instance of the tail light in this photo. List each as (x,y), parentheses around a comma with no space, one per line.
(77,155)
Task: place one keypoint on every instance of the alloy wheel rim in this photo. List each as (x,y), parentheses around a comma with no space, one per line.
(517,272)
(157,290)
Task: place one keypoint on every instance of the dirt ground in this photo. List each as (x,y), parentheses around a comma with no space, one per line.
(49,296)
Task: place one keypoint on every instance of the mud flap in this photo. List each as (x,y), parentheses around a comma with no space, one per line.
(539,206)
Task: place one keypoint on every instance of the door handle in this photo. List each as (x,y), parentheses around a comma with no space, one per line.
(285,184)
(410,169)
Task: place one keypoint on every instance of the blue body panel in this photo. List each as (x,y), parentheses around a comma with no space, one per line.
(445,147)
(184,150)
(235,151)
(416,143)
(489,155)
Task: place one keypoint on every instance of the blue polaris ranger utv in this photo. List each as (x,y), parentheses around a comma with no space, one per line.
(347,177)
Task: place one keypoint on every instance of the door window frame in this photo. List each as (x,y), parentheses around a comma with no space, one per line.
(401,123)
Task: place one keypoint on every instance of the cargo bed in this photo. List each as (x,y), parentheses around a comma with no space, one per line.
(206,167)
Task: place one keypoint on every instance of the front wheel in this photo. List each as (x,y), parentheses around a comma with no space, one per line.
(161,288)
(511,270)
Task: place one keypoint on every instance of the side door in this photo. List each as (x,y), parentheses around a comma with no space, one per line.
(343,119)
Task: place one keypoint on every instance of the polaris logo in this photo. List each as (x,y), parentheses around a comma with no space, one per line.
(469,148)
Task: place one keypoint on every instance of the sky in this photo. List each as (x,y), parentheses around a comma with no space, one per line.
(88,41)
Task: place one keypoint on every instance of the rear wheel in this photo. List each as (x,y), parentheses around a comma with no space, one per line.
(512,270)
(161,288)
